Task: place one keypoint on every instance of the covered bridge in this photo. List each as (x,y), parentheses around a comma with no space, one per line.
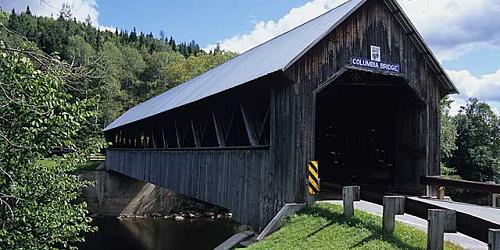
(356,88)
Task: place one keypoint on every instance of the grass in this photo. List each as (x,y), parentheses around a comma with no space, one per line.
(323,226)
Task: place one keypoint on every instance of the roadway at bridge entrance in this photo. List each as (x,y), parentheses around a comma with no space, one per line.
(419,223)
(473,221)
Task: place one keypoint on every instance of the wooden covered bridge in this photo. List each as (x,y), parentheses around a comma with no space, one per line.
(356,89)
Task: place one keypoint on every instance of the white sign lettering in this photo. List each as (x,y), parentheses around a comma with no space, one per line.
(375,65)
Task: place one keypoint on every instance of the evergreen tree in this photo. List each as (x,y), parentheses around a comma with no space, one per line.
(133,36)
(65,13)
(172,44)
(88,20)
(28,11)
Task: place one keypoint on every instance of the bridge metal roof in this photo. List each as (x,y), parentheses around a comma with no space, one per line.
(274,55)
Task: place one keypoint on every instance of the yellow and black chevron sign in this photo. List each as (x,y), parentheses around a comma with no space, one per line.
(313,177)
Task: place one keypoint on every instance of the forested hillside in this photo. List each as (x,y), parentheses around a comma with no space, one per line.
(126,67)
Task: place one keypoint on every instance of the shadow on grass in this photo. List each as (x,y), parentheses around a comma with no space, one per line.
(338,218)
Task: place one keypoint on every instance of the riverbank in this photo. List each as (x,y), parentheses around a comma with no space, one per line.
(323,226)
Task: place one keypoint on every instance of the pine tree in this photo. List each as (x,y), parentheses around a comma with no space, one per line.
(172,44)
(88,20)
(133,36)
(162,35)
(65,12)
(28,11)
(141,39)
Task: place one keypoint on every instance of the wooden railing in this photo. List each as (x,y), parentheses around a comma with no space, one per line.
(440,182)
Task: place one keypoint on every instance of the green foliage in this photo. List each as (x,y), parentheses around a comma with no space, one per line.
(477,156)
(448,130)
(448,138)
(38,202)
(53,103)
(323,226)
(130,67)
(79,51)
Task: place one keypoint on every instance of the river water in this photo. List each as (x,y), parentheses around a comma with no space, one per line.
(153,234)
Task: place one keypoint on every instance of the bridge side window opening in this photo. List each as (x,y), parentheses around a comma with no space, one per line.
(234,122)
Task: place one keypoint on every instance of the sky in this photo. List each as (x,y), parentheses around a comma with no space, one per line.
(464,35)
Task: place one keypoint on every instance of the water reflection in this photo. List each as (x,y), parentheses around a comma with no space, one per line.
(152,234)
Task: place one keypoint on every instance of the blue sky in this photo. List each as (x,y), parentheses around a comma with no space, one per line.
(200,20)
(463,34)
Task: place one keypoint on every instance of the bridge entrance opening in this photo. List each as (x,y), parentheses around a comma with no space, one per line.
(357,129)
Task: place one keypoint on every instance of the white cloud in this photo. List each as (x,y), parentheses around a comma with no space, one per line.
(451,27)
(265,30)
(81,9)
(485,88)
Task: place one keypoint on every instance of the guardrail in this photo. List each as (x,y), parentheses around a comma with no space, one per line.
(440,182)
(97,157)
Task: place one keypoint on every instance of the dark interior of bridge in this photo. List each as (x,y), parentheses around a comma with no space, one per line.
(356,132)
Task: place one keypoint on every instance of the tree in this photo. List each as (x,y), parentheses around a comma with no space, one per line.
(133,36)
(38,202)
(133,66)
(79,51)
(117,58)
(162,35)
(477,156)
(28,11)
(88,20)
(110,72)
(448,138)
(65,13)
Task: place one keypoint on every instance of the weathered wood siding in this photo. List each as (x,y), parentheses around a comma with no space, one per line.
(372,24)
(234,179)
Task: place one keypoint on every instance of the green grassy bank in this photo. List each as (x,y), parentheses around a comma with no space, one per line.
(323,226)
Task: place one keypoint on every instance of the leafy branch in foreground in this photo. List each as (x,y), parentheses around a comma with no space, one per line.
(39,110)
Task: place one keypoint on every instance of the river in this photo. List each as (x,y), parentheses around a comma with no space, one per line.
(153,234)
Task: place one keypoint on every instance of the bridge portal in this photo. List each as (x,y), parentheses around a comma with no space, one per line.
(362,134)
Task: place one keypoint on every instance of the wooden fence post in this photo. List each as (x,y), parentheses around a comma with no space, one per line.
(495,200)
(440,221)
(349,195)
(435,229)
(392,205)
(494,239)
(440,193)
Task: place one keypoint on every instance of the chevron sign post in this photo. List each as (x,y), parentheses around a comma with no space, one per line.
(313,177)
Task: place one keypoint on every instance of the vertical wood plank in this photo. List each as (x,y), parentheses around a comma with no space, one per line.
(349,195)
(435,229)
(392,205)
(494,239)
